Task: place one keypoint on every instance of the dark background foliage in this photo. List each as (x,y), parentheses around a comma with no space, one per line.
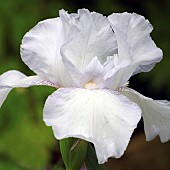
(25,141)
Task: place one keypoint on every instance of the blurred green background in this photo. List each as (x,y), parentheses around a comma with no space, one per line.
(26,143)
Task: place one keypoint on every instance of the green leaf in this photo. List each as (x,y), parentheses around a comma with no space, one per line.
(73,152)
(91,160)
(65,145)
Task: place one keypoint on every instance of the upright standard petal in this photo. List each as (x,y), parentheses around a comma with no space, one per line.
(104,117)
(89,35)
(13,78)
(40,50)
(136,49)
(119,23)
(156,115)
(136,30)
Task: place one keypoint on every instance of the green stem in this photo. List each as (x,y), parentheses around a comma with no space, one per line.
(91,161)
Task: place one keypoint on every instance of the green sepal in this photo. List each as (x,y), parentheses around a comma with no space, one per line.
(91,161)
(73,152)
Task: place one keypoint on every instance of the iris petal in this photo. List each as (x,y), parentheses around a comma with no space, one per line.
(40,50)
(137,52)
(13,78)
(156,115)
(89,35)
(103,117)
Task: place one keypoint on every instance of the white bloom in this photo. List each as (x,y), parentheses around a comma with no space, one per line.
(91,58)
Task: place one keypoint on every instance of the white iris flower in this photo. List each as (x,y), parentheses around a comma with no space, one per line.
(89,58)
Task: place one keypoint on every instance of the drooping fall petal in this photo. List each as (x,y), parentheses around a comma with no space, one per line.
(155,113)
(103,117)
(13,78)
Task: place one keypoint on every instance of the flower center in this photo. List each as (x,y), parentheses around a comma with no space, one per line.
(90,85)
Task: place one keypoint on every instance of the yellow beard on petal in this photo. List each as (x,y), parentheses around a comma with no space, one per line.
(90,85)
